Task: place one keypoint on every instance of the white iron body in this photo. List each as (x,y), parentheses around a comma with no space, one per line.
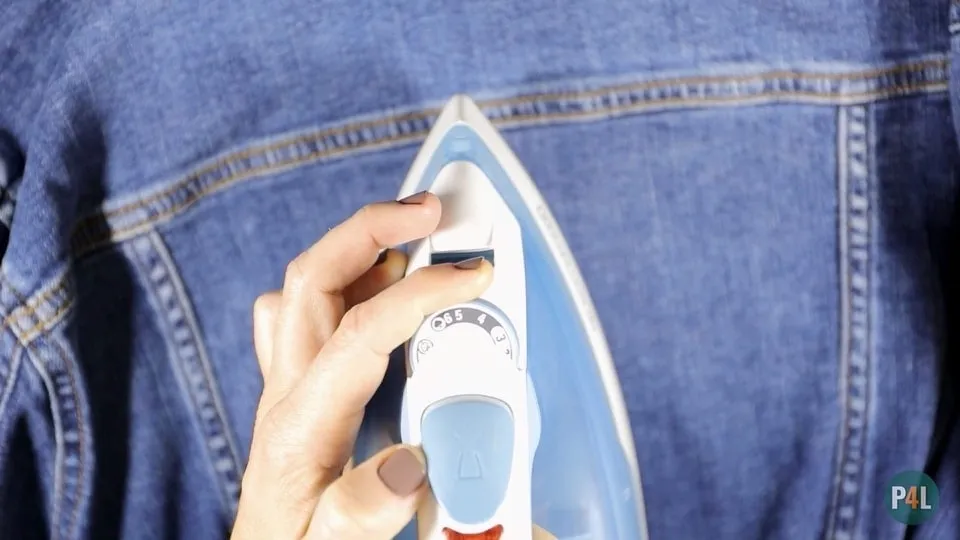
(477,349)
(469,399)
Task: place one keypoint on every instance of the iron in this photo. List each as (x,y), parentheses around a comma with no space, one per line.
(514,396)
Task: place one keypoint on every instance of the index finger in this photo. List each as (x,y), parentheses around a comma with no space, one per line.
(350,248)
(312,302)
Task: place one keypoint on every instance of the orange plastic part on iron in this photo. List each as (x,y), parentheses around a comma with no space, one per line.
(490,534)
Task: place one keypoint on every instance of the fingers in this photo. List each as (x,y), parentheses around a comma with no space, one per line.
(374,500)
(265,310)
(314,282)
(388,269)
(323,413)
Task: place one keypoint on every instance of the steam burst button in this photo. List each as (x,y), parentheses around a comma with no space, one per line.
(469,447)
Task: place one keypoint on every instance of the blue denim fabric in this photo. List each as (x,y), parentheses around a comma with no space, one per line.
(760,195)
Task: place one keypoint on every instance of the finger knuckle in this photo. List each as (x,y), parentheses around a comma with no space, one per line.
(366,212)
(294,276)
(367,216)
(276,459)
(272,447)
(259,303)
(353,323)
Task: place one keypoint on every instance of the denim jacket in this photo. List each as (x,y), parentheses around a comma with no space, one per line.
(761,196)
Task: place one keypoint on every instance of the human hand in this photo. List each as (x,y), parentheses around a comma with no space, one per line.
(322,344)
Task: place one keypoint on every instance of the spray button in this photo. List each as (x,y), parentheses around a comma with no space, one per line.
(468,441)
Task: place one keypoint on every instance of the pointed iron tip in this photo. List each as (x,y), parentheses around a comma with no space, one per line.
(461,108)
(463,104)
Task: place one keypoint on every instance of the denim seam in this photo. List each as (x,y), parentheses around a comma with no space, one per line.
(110,225)
(65,437)
(8,381)
(9,346)
(191,364)
(76,436)
(855,236)
(44,308)
(58,466)
(39,313)
(58,395)
(35,315)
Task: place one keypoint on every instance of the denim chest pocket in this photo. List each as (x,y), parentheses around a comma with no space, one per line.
(764,249)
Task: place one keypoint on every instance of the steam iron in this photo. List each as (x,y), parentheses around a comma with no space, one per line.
(513,397)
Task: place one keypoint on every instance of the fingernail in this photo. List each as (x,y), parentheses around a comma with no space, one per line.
(402,472)
(416,198)
(469,264)
(382,258)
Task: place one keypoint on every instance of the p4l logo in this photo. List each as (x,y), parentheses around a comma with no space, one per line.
(912,497)
(909,497)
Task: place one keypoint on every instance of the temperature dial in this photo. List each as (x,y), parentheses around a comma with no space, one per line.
(453,327)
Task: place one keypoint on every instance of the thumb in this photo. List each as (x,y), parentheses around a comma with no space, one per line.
(373,501)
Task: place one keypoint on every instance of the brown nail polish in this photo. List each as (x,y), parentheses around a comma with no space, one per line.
(470,264)
(382,258)
(416,198)
(402,472)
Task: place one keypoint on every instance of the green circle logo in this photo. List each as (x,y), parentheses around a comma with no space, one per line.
(912,497)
